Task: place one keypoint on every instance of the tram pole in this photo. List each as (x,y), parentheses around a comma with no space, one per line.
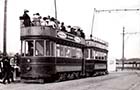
(4,28)
(123,34)
(92,23)
(55,9)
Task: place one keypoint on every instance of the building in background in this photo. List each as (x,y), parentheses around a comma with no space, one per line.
(129,64)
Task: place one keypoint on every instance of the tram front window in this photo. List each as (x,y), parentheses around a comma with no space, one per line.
(39,48)
(29,48)
(48,48)
(44,48)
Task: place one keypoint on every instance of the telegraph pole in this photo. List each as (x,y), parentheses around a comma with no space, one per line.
(123,43)
(55,9)
(123,34)
(4,28)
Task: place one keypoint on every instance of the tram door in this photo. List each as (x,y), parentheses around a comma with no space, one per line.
(27,47)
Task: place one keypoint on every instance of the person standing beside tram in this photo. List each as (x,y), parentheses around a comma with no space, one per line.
(1,68)
(6,70)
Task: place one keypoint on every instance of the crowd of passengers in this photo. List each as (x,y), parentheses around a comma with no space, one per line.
(38,20)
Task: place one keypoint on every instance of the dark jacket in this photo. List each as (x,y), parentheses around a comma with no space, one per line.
(6,65)
(26,18)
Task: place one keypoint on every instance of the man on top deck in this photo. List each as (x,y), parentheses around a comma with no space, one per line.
(26,18)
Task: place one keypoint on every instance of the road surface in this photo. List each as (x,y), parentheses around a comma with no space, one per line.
(121,80)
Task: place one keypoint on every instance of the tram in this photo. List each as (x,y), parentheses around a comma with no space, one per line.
(50,53)
(96,52)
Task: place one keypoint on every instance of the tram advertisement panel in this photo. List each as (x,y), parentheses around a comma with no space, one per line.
(100,66)
(70,37)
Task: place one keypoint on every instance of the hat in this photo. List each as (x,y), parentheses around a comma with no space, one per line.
(37,14)
(25,10)
(44,18)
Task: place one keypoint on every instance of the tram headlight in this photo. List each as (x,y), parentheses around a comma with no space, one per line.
(28,60)
(28,68)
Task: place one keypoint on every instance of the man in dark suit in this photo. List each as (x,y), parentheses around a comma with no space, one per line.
(6,70)
(26,18)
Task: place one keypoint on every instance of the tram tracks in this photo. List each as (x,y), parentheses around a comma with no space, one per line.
(137,82)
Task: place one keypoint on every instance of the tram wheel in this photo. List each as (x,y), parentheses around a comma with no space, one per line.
(76,75)
(60,77)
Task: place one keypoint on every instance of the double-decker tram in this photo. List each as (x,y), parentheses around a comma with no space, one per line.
(50,53)
(53,52)
(96,53)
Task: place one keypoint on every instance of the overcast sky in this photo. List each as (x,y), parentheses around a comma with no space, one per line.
(107,26)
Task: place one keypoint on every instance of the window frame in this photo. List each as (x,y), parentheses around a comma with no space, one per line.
(51,47)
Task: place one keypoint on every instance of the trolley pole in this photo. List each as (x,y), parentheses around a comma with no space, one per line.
(123,34)
(4,28)
(55,9)
(92,23)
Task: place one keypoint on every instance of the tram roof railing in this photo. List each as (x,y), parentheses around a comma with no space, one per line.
(47,31)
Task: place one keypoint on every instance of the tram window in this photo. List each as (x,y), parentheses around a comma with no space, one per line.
(39,48)
(22,48)
(78,53)
(47,48)
(29,48)
(57,50)
(102,58)
(92,53)
(73,53)
(52,49)
(105,57)
(96,57)
(86,53)
(67,51)
(62,50)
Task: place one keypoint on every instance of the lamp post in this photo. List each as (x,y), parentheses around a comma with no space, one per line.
(4,28)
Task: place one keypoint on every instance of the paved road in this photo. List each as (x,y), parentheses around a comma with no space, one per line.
(122,80)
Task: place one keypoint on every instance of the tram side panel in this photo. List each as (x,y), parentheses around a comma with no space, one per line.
(37,67)
(100,66)
(94,66)
(68,65)
(45,67)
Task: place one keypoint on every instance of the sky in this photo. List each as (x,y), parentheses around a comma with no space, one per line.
(107,26)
